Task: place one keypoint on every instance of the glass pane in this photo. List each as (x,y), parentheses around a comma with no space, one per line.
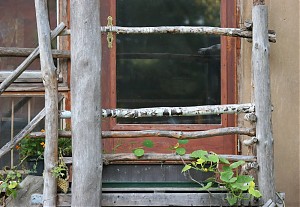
(18,29)
(168,69)
(15,113)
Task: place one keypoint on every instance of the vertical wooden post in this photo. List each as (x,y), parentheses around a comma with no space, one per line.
(51,102)
(262,96)
(86,103)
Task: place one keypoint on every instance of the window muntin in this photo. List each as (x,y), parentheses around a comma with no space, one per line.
(15,114)
(168,69)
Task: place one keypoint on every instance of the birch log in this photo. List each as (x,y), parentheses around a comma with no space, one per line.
(232,32)
(51,102)
(86,103)
(173,111)
(158,133)
(262,95)
(22,67)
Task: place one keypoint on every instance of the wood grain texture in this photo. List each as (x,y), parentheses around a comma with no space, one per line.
(262,95)
(86,103)
(49,74)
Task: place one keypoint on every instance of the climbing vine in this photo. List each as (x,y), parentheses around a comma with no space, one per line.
(225,173)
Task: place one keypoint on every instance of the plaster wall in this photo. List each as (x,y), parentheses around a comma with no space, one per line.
(284,67)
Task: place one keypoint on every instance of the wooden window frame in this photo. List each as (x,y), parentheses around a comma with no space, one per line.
(229,54)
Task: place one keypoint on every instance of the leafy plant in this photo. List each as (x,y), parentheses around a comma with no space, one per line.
(139,152)
(234,183)
(34,147)
(10,180)
(61,172)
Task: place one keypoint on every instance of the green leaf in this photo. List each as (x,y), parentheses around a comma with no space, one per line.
(199,154)
(3,185)
(224,160)
(200,161)
(255,193)
(12,184)
(226,176)
(244,179)
(183,141)
(180,151)
(231,199)
(237,164)
(213,158)
(148,143)
(240,186)
(207,186)
(186,168)
(226,168)
(139,152)
(232,180)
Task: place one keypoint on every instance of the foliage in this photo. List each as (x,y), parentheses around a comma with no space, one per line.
(234,183)
(61,169)
(139,152)
(34,147)
(10,180)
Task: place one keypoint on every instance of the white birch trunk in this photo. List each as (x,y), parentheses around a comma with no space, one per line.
(172,111)
(51,102)
(262,95)
(232,32)
(86,103)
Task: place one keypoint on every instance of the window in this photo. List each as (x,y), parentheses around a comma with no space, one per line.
(18,29)
(170,70)
(15,113)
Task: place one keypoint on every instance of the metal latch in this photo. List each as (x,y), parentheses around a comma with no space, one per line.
(110,36)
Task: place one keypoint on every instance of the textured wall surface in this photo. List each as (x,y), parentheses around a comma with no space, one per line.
(284,67)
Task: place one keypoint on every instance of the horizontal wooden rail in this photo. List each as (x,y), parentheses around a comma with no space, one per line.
(232,32)
(172,111)
(158,133)
(158,157)
(160,198)
(24,52)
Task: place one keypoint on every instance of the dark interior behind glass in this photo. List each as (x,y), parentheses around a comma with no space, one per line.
(168,69)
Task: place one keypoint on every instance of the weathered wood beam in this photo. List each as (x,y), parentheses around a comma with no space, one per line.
(112,158)
(262,95)
(158,157)
(22,67)
(159,198)
(49,73)
(86,103)
(158,133)
(232,32)
(24,52)
(173,111)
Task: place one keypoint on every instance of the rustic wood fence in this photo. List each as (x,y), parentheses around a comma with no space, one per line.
(258,112)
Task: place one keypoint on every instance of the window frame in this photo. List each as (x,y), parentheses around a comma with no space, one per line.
(229,54)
